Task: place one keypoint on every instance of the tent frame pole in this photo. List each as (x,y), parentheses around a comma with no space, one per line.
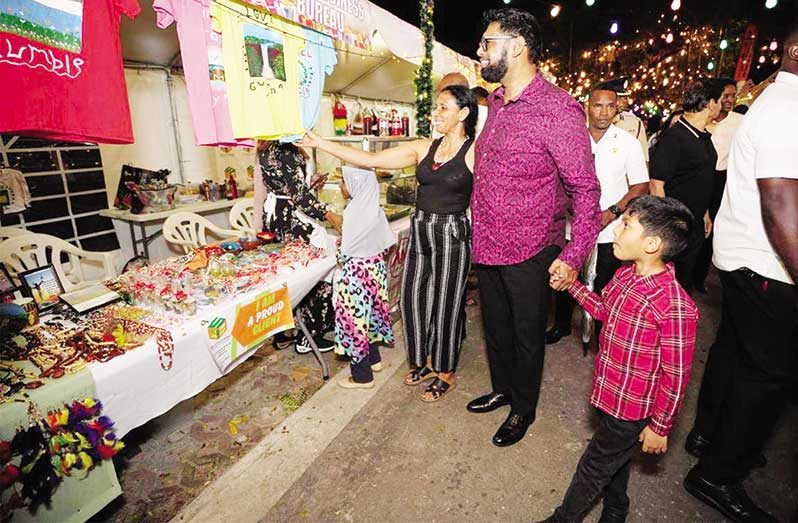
(172,106)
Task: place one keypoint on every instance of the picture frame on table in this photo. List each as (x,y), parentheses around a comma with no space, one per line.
(43,285)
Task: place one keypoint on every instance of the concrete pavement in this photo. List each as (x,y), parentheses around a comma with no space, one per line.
(383,455)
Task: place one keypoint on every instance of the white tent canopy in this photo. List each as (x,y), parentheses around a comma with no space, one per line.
(384,72)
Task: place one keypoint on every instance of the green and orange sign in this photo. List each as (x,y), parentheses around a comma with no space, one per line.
(268,314)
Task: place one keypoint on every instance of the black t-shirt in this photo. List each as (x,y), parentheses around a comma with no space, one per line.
(685,159)
(444,189)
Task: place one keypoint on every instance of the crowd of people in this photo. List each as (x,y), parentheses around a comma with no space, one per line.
(504,176)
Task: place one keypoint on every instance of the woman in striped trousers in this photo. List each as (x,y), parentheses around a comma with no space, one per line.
(439,257)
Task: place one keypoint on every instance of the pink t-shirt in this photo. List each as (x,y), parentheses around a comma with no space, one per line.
(201,54)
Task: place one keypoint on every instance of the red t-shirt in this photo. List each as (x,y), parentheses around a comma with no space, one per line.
(61,70)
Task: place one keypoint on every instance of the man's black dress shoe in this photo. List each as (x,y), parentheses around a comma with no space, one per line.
(512,430)
(488,402)
(730,500)
(696,445)
(555,334)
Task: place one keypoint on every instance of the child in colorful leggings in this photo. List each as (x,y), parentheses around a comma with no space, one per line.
(362,313)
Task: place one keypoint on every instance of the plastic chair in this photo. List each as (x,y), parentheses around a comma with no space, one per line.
(29,251)
(190,230)
(11,232)
(242,216)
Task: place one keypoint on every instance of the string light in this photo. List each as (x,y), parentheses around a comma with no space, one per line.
(614,28)
(770,4)
(555,10)
(656,73)
(676,5)
(773,45)
(590,2)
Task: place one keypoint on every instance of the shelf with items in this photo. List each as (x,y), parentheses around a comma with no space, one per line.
(359,138)
(397,187)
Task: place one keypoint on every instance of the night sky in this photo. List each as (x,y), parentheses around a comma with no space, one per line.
(458,22)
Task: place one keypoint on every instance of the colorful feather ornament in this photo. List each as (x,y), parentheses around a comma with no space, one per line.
(74,438)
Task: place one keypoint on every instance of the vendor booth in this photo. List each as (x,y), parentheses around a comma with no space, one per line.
(103,351)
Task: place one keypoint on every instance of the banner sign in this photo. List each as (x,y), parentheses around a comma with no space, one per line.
(746,53)
(230,336)
(345,20)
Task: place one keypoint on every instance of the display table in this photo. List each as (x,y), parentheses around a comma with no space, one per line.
(137,386)
(143,220)
(135,389)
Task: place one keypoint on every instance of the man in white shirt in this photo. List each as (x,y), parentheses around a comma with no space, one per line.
(622,174)
(626,119)
(752,366)
(723,129)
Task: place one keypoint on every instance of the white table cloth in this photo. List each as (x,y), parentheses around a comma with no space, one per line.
(135,389)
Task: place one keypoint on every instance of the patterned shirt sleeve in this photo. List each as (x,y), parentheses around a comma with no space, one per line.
(283,175)
(590,301)
(572,154)
(304,199)
(677,341)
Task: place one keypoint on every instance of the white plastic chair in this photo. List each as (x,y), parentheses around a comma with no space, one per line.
(10,232)
(29,251)
(242,216)
(190,230)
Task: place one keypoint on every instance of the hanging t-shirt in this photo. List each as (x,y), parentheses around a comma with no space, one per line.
(13,183)
(201,55)
(261,58)
(316,61)
(61,70)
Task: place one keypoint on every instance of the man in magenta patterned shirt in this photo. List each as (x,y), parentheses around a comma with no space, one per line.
(532,156)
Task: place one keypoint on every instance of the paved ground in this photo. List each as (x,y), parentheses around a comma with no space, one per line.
(399,459)
(403,460)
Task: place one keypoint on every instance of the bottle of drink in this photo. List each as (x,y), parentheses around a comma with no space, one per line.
(385,125)
(232,188)
(396,123)
(405,125)
(375,126)
(368,122)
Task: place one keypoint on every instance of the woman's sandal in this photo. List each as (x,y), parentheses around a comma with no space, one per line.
(437,389)
(419,375)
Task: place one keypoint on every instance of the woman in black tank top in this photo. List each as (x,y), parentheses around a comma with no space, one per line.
(439,255)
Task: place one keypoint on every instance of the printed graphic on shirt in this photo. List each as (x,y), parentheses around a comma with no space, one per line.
(307,74)
(265,55)
(216,72)
(57,23)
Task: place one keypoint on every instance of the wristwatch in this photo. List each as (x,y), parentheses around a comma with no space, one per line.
(614,209)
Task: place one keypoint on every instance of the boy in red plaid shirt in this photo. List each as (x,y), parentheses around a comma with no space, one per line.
(645,354)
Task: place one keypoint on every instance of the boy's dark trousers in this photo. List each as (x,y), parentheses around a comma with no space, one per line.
(603,468)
